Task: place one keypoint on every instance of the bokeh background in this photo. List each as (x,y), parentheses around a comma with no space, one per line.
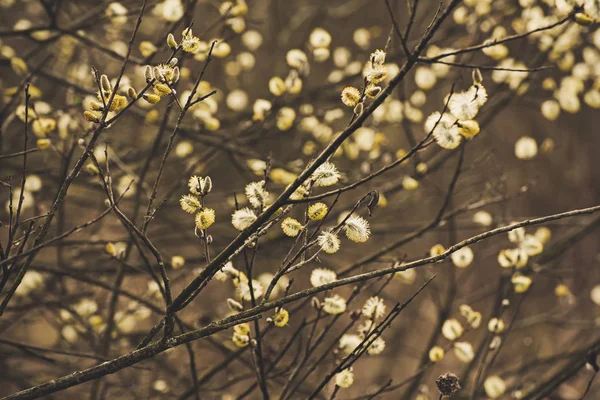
(546,331)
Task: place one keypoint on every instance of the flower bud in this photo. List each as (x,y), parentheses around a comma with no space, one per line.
(175,75)
(171,42)
(105,83)
(158,75)
(43,144)
(583,19)
(206,186)
(358,110)
(372,91)
(132,94)
(315,303)
(234,305)
(148,73)
(162,89)
(95,106)
(151,98)
(91,117)
(477,77)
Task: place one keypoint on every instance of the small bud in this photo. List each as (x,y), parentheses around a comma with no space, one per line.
(158,75)
(495,343)
(95,106)
(234,305)
(171,42)
(205,186)
(173,62)
(372,91)
(477,77)
(373,202)
(583,19)
(151,98)
(105,83)
(148,73)
(315,303)
(358,110)
(91,117)
(43,144)
(162,89)
(175,75)
(132,94)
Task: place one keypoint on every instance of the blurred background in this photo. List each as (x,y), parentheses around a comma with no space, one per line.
(48,329)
